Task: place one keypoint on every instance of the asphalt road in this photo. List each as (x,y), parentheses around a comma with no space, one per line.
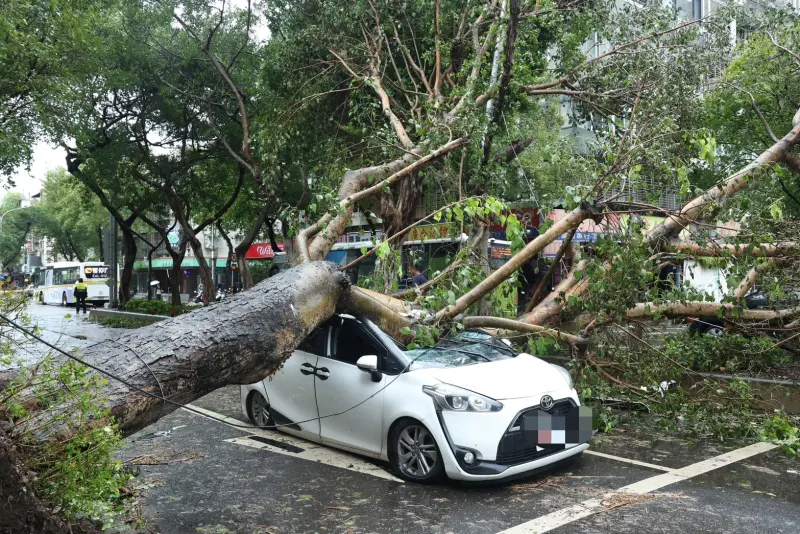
(212,478)
(60,326)
(202,476)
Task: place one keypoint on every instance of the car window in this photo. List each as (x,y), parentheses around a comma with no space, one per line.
(351,342)
(315,342)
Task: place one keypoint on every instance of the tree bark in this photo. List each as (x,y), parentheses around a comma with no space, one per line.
(209,285)
(21,511)
(552,304)
(731,312)
(694,210)
(571,220)
(762,250)
(100,242)
(229,257)
(13,256)
(485,303)
(750,279)
(517,326)
(244,245)
(129,244)
(234,341)
(177,277)
(567,244)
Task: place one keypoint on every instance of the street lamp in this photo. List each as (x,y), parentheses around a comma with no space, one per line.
(3,216)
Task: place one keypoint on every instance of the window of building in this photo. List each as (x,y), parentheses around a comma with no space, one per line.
(691,8)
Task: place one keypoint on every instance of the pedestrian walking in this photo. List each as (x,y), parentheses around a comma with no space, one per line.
(80,291)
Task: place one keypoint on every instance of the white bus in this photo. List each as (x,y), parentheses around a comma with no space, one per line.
(54,282)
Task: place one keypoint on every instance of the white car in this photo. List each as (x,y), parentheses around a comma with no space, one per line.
(470,407)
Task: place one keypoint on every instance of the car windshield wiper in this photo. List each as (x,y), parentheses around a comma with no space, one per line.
(494,343)
(473,355)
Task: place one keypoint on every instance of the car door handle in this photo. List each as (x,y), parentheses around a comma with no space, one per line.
(307,369)
(322,373)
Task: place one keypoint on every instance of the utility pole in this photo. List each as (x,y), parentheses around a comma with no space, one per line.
(213,257)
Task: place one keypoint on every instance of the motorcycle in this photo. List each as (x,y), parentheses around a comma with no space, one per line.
(198,295)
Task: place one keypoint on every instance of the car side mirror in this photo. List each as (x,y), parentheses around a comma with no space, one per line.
(369,364)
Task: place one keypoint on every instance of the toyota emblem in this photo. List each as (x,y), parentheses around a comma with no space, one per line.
(546,403)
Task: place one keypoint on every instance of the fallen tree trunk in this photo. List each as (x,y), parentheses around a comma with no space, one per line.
(21,511)
(571,220)
(517,326)
(730,312)
(763,250)
(552,304)
(236,341)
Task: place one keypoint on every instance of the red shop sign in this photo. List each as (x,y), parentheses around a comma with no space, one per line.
(261,251)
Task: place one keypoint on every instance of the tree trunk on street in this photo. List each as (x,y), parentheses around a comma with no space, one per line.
(209,287)
(21,511)
(241,249)
(176,276)
(129,244)
(239,340)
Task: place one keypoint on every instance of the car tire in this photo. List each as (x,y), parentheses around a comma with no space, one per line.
(414,453)
(258,410)
(714,330)
(64,299)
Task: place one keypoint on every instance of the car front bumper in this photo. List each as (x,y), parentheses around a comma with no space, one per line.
(482,434)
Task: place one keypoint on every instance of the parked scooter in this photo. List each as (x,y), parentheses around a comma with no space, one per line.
(198,295)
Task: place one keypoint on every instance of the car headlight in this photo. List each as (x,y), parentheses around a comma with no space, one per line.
(564,373)
(461,400)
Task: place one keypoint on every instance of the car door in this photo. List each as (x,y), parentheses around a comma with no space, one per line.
(350,404)
(291,389)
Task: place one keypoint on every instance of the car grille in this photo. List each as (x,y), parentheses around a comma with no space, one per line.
(515,448)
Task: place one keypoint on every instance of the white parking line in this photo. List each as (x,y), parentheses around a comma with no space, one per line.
(628,461)
(573,513)
(281,443)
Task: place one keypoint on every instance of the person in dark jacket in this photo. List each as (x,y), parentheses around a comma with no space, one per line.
(80,291)
(417,278)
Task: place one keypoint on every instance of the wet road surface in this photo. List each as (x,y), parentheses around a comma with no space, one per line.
(208,477)
(60,326)
(209,482)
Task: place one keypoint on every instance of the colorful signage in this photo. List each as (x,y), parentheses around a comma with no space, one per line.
(426,232)
(262,251)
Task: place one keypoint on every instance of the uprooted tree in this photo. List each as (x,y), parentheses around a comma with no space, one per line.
(462,98)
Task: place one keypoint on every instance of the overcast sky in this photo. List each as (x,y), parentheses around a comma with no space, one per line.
(47,157)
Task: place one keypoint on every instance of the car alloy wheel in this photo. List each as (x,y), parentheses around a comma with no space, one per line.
(715,331)
(415,453)
(259,410)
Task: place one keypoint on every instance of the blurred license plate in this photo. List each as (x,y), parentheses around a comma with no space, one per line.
(572,428)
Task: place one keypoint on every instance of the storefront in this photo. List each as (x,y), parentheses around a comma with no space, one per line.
(162,271)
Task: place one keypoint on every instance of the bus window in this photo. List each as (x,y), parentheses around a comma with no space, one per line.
(65,276)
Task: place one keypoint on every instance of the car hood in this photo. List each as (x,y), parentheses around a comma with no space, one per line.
(523,376)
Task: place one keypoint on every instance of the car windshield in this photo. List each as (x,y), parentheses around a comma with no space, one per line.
(464,348)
